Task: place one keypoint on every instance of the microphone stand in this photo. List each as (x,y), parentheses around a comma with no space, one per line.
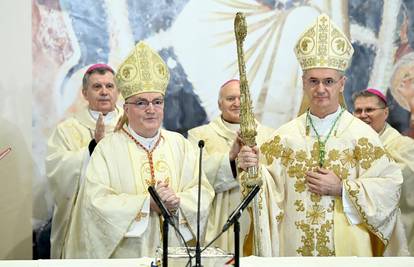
(167,220)
(234,219)
(236,243)
(165,243)
(198,249)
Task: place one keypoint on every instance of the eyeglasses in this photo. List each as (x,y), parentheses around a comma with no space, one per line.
(367,111)
(328,82)
(144,103)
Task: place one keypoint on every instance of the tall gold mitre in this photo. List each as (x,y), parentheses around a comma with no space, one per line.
(143,71)
(323,45)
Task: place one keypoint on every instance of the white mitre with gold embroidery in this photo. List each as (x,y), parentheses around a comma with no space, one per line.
(324,45)
(143,71)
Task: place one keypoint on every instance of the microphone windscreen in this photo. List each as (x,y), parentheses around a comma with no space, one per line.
(201,143)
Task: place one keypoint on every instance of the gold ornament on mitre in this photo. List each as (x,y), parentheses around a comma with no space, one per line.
(143,71)
(323,45)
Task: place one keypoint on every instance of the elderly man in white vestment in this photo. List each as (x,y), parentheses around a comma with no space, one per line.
(115,217)
(371,106)
(72,143)
(221,149)
(329,187)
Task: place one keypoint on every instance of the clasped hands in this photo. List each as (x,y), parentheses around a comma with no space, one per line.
(321,181)
(168,197)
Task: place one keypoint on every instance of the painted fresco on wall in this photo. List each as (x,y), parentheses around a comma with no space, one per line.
(196,39)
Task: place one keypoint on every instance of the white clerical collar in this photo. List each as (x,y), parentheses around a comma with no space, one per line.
(148,143)
(324,125)
(107,118)
(234,127)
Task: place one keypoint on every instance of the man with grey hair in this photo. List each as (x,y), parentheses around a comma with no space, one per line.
(73,141)
(221,148)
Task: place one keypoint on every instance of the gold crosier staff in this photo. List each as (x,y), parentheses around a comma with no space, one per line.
(247,122)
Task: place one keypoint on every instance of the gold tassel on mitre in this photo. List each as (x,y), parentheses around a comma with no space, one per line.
(323,45)
(143,71)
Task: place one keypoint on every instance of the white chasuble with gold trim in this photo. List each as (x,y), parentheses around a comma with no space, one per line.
(115,190)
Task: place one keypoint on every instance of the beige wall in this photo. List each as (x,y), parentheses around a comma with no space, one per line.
(16,169)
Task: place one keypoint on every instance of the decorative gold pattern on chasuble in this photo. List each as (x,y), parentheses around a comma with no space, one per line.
(322,240)
(316,215)
(307,240)
(316,227)
(366,153)
(353,194)
(149,166)
(279,217)
(299,205)
(160,167)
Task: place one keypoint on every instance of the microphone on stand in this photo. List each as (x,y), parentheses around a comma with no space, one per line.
(167,220)
(164,211)
(235,215)
(198,249)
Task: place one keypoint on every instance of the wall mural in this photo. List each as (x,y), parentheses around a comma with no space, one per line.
(196,39)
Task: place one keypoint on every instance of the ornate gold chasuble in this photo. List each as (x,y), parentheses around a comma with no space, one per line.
(115,191)
(314,225)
